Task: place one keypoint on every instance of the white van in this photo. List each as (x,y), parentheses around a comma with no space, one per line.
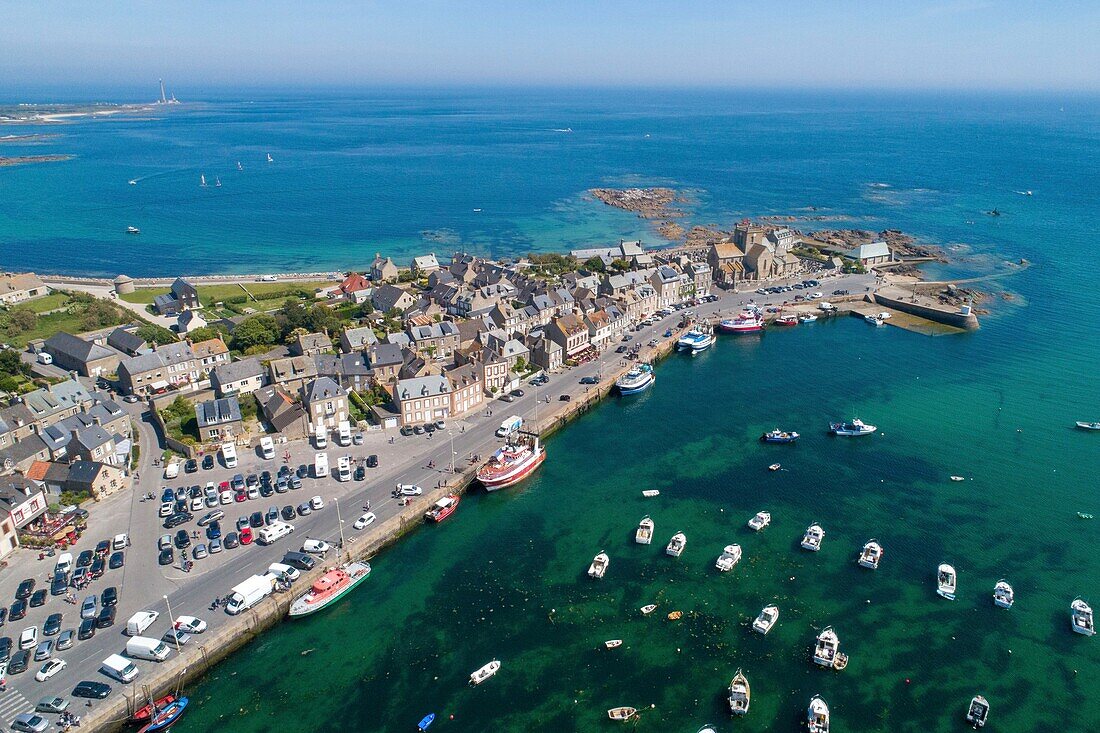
(139,622)
(248,593)
(343,469)
(229,455)
(320,465)
(320,437)
(283,572)
(267,447)
(172,469)
(273,532)
(64,563)
(142,647)
(509,425)
(343,433)
(119,667)
(44,358)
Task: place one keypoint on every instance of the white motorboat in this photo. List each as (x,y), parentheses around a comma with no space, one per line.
(648,609)
(827,650)
(1081,617)
(708,728)
(871,555)
(874,320)
(1088,425)
(978,711)
(485,672)
(946,580)
(650,493)
(613,643)
(807,318)
(775,466)
(644,534)
(958,478)
(133,230)
(759,521)
(239,166)
(740,694)
(676,544)
(852,428)
(1003,595)
(729,557)
(622,714)
(817,716)
(766,620)
(812,539)
(599,565)
(133,181)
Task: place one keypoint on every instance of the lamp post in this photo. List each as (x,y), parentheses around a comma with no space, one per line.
(451,435)
(172,618)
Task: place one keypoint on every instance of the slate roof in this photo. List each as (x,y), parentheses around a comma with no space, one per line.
(322,388)
(237,370)
(218,412)
(126,341)
(76,348)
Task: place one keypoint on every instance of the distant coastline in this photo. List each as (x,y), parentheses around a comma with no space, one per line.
(31,159)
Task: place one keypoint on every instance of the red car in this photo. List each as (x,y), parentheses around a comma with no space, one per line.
(223,486)
(246,536)
(241,496)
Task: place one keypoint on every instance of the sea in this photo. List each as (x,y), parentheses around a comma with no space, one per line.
(503,173)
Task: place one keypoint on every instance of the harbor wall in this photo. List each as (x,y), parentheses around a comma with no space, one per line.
(932,313)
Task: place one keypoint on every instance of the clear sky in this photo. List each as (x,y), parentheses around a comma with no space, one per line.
(967,44)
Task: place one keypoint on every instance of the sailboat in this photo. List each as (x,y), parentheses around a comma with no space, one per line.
(217,182)
(269,158)
(239,166)
(202,180)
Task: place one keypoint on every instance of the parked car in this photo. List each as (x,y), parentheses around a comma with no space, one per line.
(304,509)
(207,462)
(86,629)
(97,568)
(256,520)
(288,512)
(106,617)
(316,547)
(200,552)
(190,465)
(214,531)
(109,597)
(246,536)
(102,548)
(53,625)
(360,473)
(43,651)
(30,722)
(59,585)
(85,558)
(172,637)
(90,607)
(117,561)
(365,520)
(6,645)
(303,471)
(372,461)
(317,503)
(211,517)
(176,520)
(19,661)
(51,705)
(215,546)
(92,690)
(183,539)
(357,439)
(190,624)
(18,610)
(65,640)
(39,598)
(166,557)
(231,541)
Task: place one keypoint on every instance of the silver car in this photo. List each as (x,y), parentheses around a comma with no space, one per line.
(65,640)
(90,607)
(43,651)
(29,723)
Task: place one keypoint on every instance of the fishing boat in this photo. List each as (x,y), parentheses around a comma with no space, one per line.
(812,539)
(739,694)
(817,716)
(165,717)
(644,534)
(613,643)
(485,672)
(650,493)
(779,436)
(729,557)
(766,619)
(807,318)
(760,520)
(1088,425)
(330,587)
(675,615)
(202,180)
(648,609)
(1003,595)
(695,340)
(442,509)
(827,650)
(747,322)
(853,427)
(512,463)
(787,320)
(133,230)
(945,581)
(622,714)
(428,719)
(676,545)
(871,555)
(775,466)
(146,711)
(978,711)
(1081,617)
(638,379)
(599,565)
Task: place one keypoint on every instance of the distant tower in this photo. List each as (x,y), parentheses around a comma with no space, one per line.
(163,98)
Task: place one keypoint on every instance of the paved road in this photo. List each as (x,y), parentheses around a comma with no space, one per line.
(143,583)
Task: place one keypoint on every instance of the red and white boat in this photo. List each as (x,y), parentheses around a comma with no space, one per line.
(442,509)
(788,320)
(330,587)
(747,322)
(511,464)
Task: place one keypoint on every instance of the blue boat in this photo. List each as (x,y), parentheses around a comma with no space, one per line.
(695,340)
(426,721)
(164,718)
(779,436)
(636,380)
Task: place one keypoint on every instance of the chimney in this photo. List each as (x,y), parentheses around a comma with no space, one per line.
(97,421)
(75,433)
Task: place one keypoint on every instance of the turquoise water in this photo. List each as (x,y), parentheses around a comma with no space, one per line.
(505,577)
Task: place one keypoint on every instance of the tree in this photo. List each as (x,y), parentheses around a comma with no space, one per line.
(322,319)
(366,308)
(594,264)
(98,314)
(213,331)
(620,264)
(257,330)
(11,364)
(22,319)
(155,334)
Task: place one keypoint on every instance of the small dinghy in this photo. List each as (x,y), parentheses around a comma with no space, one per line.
(945,581)
(644,533)
(1003,595)
(485,673)
(613,643)
(957,478)
(759,521)
(646,610)
(817,716)
(649,493)
(675,615)
(775,467)
(766,620)
(1081,617)
(426,721)
(739,694)
(622,714)
(676,545)
(812,539)
(871,555)
(978,712)
(729,557)
(599,565)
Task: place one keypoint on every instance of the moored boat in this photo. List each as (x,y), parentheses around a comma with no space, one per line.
(428,719)
(874,320)
(512,463)
(871,555)
(827,650)
(650,493)
(613,643)
(644,533)
(747,322)
(146,711)
(946,580)
(729,557)
(165,717)
(331,586)
(766,619)
(622,714)
(807,318)
(648,609)
(133,230)
(676,544)
(817,716)
(775,466)
(442,509)
(485,672)
(787,320)
(760,520)
(779,436)
(958,478)
(638,379)
(812,539)
(599,565)
(1081,617)
(1003,595)
(696,340)
(978,711)
(675,615)
(854,427)
(740,694)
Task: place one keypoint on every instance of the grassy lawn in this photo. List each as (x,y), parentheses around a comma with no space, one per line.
(73,321)
(210,294)
(47,303)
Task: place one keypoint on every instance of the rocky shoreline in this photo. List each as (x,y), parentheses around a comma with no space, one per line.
(29,159)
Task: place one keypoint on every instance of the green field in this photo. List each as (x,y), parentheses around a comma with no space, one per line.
(210,294)
(74,319)
(47,303)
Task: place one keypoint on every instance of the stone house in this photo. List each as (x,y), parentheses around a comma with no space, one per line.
(283,413)
(18,287)
(325,402)
(423,399)
(357,339)
(291,372)
(383,270)
(424,264)
(570,333)
(390,297)
(311,344)
(727,264)
(385,361)
(84,357)
(96,479)
(189,321)
(871,254)
(667,282)
(238,377)
(546,354)
(180,297)
(438,340)
(21,499)
(219,420)
(467,390)
(126,341)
